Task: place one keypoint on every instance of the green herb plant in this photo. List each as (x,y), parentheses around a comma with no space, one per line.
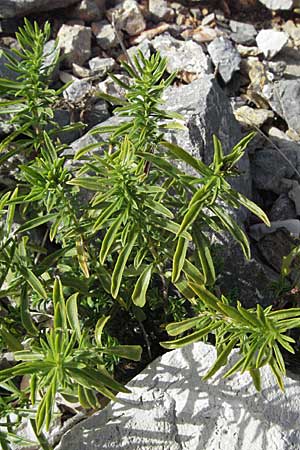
(103,233)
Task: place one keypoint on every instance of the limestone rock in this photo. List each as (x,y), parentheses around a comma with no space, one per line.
(75,42)
(277,4)
(258,231)
(225,57)
(86,10)
(77,91)
(269,168)
(128,17)
(105,34)
(250,281)
(14,8)
(159,10)
(294,195)
(100,66)
(283,208)
(250,116)
(171,408)
(182,56)
(109,87)
(6,72)
(242,33)
(144,47)
(270,42)
(284,98)
(274,246)
(207,111)
(96,114)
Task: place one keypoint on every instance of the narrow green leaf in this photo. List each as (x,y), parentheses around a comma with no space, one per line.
(72,314)
(36,222)
(34,282)
(141,286)
(158,208)
(194,337)
(99,329)
(203,251)
(121,263)
(110,237)
(179,258)
(26,318)
(175,328)
(132,352)
(10,340)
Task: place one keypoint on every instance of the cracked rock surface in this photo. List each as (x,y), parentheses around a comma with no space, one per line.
(170,408)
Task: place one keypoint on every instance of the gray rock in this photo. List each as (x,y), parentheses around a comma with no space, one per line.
(128,17)
(282,209)
(250,281)
(109,87)
(284,98)
(75,43)
(86,10)
(5,72)
(100,66)
(289,58)
(51,52)
(80,72)
(268,168)
(207,111)
(225,57)
(171,408)
(144,47)
(270,42)
(88,139)
(277,4)
(294,195)
(98,113)
(13,8)
(242,33)
(275,246)
(182,56)
(159,10)
(78,91)
(105,34)
(63,118)
(258,231)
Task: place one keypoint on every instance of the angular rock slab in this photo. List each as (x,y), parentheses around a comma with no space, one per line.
(207,111)
(170,408)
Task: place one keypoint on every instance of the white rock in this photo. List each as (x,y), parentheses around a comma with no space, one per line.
(171,408)
(270,42)
(186,56)
(277,4)
(75,42)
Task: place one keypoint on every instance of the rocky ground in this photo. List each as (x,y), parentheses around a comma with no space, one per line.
(238,69)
